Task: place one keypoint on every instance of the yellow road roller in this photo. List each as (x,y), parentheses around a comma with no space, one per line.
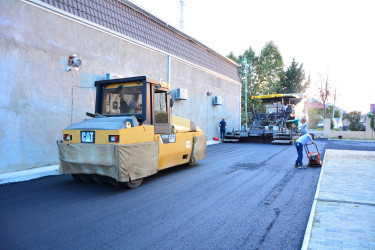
(132,135)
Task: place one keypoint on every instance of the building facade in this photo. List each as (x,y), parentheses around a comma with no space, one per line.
(40,97)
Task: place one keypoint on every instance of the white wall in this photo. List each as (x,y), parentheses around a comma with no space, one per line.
(358,135)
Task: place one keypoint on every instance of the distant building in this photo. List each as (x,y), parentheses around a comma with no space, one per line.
(314,104)
(372,108)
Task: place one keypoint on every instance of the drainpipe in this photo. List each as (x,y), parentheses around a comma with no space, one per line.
(168,69)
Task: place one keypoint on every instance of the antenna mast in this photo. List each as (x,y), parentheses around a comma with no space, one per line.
(182,3)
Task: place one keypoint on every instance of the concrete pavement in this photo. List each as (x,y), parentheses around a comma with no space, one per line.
(343,212)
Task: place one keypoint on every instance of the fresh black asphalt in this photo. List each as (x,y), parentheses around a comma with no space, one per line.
(242,195)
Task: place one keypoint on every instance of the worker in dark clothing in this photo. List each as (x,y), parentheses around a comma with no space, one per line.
(222,126)
(300,143)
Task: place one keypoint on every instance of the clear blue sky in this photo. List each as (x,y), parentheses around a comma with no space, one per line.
(330,37)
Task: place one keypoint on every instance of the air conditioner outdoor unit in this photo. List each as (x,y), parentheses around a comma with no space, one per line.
(181,94)
(218,100)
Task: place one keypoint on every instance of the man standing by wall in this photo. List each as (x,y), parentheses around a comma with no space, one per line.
(222,126)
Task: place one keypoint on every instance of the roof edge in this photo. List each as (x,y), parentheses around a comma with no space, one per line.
(174,29)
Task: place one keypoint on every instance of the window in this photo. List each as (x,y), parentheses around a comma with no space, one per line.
(122,100)
(160,104)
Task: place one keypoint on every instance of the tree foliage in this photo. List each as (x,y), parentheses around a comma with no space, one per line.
(329,112)
(315,115)
(269,69)
(251,77)
(354,117)
(265,74)
(372,119)
(293,79)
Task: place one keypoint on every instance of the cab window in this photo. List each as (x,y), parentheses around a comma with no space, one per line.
(160,104)
(122,100)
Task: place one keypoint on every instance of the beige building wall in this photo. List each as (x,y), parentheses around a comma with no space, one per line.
(39,98)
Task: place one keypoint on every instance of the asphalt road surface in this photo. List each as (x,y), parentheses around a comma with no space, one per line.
(243,195)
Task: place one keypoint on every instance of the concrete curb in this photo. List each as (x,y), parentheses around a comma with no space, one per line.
(306,238)
(354,140)
(29,174)
(212,142)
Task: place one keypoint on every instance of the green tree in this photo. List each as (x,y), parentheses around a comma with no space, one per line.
(232,56)
(329,112)
(265,72)
(315,115)
(354,117)
(293,79)
(372,119)
(269,68)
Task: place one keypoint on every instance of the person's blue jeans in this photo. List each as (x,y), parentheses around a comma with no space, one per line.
(222,133)
(299,147)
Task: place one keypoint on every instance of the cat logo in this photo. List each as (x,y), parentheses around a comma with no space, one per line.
(87,136)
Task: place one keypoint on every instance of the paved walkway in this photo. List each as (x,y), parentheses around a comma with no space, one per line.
(343,212)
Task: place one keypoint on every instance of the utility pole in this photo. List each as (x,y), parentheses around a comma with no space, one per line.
(244,62)
(334,102)
(182,14)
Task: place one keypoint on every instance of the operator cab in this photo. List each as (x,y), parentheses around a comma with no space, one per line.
(272,109)
(144,98)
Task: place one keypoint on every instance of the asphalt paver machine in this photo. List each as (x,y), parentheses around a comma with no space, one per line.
(274,118)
